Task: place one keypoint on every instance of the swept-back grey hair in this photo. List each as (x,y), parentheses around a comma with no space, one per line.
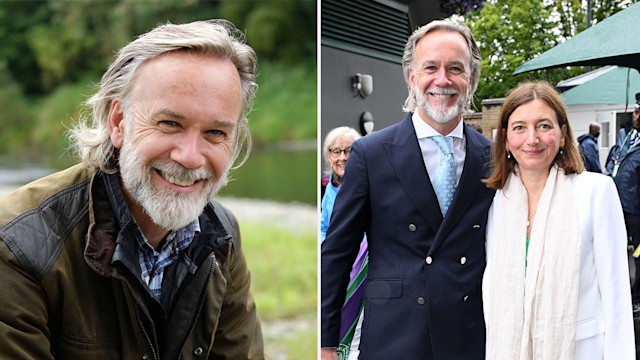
(90,139)
(409,52)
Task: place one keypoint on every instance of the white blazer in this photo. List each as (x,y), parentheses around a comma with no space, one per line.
(605,319)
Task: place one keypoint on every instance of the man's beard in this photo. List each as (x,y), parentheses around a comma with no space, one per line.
(166,208)
(441,114)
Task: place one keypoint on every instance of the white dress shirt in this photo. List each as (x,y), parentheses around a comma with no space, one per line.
(431,153)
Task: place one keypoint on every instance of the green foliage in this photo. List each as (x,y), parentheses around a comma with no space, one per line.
(508,33)
(16,120)
(281,30)
(54,115)
(511,32)
(53,42)
(16,18)
(286,103)
(285,109)
(50,49)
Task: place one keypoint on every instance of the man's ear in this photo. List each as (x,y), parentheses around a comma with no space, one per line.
(411,79)
(116,123)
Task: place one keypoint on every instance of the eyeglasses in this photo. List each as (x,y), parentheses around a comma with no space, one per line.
(335,152)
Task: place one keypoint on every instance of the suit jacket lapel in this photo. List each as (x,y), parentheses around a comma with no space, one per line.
(406,158)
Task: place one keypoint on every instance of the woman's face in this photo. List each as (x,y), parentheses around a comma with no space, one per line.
(341,147)
(534,136)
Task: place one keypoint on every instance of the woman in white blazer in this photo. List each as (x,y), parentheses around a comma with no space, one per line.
(556,284)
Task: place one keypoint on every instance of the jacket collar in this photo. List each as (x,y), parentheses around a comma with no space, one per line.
(110,236)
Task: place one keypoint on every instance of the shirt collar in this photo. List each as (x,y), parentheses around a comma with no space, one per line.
(175,241)
(424,130)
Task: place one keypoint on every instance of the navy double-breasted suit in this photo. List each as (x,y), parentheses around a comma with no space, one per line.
(422,297)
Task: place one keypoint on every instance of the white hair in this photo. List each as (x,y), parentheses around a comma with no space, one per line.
(90,139)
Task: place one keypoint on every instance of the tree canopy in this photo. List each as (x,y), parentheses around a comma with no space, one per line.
(50,43)
(53,50)
(511,32)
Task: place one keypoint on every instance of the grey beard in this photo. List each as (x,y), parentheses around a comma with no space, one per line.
(443,114)
(166,208)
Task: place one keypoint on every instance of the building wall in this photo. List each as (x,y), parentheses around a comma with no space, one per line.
(341,106)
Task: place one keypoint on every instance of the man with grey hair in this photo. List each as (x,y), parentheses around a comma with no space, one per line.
(415,189)
(127,255)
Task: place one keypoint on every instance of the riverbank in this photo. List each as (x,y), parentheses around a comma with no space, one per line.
(293,216)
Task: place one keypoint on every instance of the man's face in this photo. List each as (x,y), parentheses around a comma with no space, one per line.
(636,119)
(176,136)
(440,76)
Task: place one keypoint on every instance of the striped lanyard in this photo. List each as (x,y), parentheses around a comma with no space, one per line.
(622,153)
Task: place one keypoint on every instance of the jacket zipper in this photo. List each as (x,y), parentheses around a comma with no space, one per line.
(204,294)
(146,335)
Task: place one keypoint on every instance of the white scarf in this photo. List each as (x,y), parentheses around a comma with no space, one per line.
(532,314)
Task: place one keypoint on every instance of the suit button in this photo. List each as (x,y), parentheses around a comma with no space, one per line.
(429,260)
(412,227)
(421,300)
(463,260)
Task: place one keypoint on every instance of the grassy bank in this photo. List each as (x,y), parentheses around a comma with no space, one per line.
(283,262)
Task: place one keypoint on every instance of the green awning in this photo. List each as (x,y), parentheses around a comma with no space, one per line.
(616,86)
(613,41)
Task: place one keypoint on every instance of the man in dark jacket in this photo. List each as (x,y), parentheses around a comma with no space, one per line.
(624,167)
(589,148)
(423,208)
(127,255)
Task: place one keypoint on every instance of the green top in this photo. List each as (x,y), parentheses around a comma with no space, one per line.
(526,251)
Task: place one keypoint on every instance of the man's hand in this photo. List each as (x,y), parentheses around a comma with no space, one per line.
(328,354)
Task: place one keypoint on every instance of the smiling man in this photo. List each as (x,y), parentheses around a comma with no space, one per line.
(423,208)
(127,255)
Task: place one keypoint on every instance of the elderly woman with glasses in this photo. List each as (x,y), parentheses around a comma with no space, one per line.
(336,149)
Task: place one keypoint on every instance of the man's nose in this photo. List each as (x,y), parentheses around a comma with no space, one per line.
(188,151)
(442,78)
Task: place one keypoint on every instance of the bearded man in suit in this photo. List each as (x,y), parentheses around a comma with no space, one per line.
(422,295)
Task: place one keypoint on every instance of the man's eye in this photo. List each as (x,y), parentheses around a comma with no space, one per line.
(169,123)
(217,133)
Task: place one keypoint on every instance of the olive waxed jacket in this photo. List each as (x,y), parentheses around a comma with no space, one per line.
(70,284)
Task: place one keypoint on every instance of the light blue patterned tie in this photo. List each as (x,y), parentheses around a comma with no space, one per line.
(444,181)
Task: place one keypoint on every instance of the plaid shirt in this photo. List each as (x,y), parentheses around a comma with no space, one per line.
(153,262)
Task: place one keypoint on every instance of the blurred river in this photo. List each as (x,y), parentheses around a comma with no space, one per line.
(280,173)
(12,178)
